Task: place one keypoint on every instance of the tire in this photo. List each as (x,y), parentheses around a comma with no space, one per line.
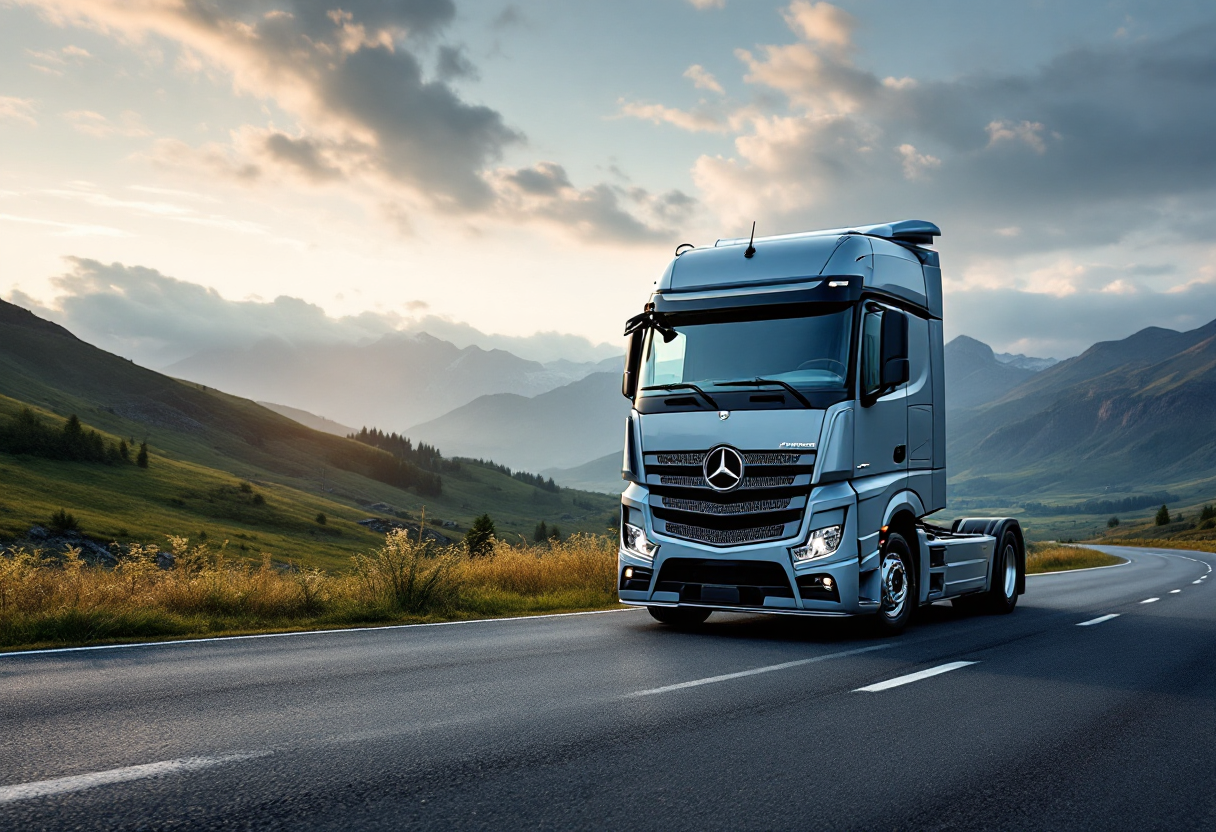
(1002,596)
(897,577)
(680,617)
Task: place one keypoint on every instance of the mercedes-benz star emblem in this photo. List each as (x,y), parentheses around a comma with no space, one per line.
(723,468)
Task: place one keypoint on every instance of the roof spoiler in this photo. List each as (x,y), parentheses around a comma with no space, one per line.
(916,232)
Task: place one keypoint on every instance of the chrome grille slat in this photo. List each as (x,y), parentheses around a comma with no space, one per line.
(706,507)
(732,537)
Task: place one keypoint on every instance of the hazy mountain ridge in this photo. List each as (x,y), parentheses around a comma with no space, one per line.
(394,381)
(561,428)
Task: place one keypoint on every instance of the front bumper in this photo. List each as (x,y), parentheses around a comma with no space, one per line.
(685,573)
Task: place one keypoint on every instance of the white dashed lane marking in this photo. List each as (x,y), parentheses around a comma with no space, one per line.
(1098,620)
(726,677)
(1149,600)
(79,782)
(1175,591)
(913,677)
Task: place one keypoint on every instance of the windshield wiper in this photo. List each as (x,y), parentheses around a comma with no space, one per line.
(686,386)
(756,382)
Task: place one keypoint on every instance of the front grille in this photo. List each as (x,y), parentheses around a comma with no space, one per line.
(769,503)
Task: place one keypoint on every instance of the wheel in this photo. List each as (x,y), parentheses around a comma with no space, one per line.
(898,586)
(679,616)
(1002,596)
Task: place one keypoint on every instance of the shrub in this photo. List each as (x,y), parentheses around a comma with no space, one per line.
(1163,516)
(480,537)
(407,576)
(258,500)
(1112,522)
(541,533)
(321,518)
(1208,513)
(62,522)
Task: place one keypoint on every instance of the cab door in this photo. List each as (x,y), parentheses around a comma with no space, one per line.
(880,451)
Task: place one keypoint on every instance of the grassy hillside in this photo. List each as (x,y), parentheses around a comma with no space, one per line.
(204,444)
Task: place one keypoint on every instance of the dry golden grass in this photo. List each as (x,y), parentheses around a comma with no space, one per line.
(64,601)
(1054,557)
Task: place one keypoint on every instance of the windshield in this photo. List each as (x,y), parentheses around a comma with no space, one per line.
(807,352)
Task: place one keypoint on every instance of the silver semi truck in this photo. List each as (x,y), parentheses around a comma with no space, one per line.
(788,436)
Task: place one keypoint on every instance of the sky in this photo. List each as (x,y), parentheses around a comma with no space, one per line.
(179,174)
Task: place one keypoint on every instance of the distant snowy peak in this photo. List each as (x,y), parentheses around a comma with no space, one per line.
(1025,362)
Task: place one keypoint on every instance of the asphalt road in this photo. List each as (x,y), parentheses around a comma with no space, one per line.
(1026,721)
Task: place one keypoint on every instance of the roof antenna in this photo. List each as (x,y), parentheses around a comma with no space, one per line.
(751,249)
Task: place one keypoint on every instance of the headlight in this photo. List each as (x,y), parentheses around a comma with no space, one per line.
(634,540)
(820,544)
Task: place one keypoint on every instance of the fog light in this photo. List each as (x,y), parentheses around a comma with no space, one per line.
(628,572)
(827,582)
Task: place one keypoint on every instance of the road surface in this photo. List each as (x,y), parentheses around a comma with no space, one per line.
(1090,707)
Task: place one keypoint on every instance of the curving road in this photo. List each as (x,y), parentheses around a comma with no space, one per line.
(1091,707)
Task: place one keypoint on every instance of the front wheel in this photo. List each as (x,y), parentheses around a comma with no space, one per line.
(898,586)
(679,616)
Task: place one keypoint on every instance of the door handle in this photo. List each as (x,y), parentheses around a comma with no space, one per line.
(901,452)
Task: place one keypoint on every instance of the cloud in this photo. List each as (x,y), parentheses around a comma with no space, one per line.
(1065,325)
(348,71)
(601,213)
(453,64)
(708,4)
(701,120)
(157,320)
(702,79)
(17,109)
(1096,146)
(129,125)
(509,17)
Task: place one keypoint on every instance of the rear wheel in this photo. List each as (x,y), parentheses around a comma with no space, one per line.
(898,586)
(679,616)
(1002,595)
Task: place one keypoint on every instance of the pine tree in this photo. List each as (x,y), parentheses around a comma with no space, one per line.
(1163,516)
(480,536)
(124,450)
(142,459)
(541,533)
(555,534)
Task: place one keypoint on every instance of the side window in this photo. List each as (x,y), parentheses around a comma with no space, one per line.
(871,354)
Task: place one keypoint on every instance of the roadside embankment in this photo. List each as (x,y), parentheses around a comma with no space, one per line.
(65,601)
(1057,557)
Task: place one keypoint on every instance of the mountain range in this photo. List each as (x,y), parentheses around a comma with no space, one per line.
(393,382)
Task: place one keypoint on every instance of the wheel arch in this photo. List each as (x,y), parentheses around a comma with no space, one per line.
(903,510)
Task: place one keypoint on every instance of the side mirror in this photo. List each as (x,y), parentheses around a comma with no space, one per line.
(894,339)
(895,371)
(633,358)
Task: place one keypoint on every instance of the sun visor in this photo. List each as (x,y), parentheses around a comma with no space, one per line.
(774,261)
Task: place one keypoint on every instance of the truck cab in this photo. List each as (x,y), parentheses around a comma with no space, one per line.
(787,436)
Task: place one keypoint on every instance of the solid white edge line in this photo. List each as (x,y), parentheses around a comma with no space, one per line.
(755,671)
(913,677)
(12,653)
(79,782)
(1074,571)
(1098,620)
(1149,600)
